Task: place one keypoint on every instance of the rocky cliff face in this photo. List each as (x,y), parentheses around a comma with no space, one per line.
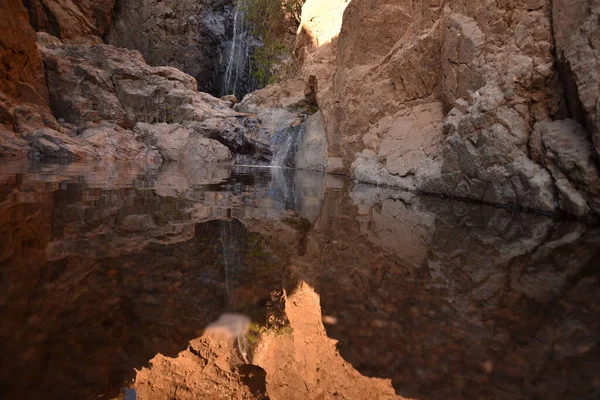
(496,102)
(71,20)
(577,39)
(104,99)
(458,98)
(194,36)
(22,81)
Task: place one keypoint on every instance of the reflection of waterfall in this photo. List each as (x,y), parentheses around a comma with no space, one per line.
(286,144)
(237,72)
(232,245)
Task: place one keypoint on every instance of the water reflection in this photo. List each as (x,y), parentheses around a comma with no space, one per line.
(109,269)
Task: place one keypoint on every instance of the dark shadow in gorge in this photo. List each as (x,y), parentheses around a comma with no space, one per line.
(102,270)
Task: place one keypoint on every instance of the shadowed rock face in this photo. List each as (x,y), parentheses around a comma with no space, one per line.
(193,36)
(577,40)
(22,82)
(352,289)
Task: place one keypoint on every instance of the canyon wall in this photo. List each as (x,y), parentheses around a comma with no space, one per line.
(464,99)
(77,21)
(194,36)
(22,81)
(491,101)
(78,98)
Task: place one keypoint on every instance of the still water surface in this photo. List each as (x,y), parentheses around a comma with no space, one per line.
(111,274)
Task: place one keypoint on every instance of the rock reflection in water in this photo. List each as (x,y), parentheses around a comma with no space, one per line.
(109,268)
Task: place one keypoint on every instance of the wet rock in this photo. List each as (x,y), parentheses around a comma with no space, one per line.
(312,152)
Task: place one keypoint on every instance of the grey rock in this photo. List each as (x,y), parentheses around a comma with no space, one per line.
(177,143)
(577,35)
(566,151)
(312,153)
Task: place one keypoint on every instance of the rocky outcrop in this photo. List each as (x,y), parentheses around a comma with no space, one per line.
(194,36)
(76,21)
(22,82)
(442,58)
(100,94)
(563,148)
(577,37)
(442,97)
(116,85)
(177,143)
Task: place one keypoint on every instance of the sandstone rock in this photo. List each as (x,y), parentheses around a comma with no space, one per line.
(177,143)
(111,142)
(487,68)
(89,84)
(311,90)
(367,168)
(104,141)
(231,99)
(21,69)
(76,21)
(577,36)
(12,146)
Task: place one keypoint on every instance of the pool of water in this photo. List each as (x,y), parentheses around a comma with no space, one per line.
(128,281)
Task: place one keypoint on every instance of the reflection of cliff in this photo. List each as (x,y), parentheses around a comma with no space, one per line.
(95,282)
(464,302)
(425,298)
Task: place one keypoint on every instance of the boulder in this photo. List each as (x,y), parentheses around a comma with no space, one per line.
(177,143)
(563,148)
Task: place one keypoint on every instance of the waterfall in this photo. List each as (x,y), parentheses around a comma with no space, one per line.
(286,144)
(237,70)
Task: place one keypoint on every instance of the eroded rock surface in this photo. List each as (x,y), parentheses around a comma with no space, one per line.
(194,36)
(577,37)
(77,21)
(443,97)
(22,82)
(98,93)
